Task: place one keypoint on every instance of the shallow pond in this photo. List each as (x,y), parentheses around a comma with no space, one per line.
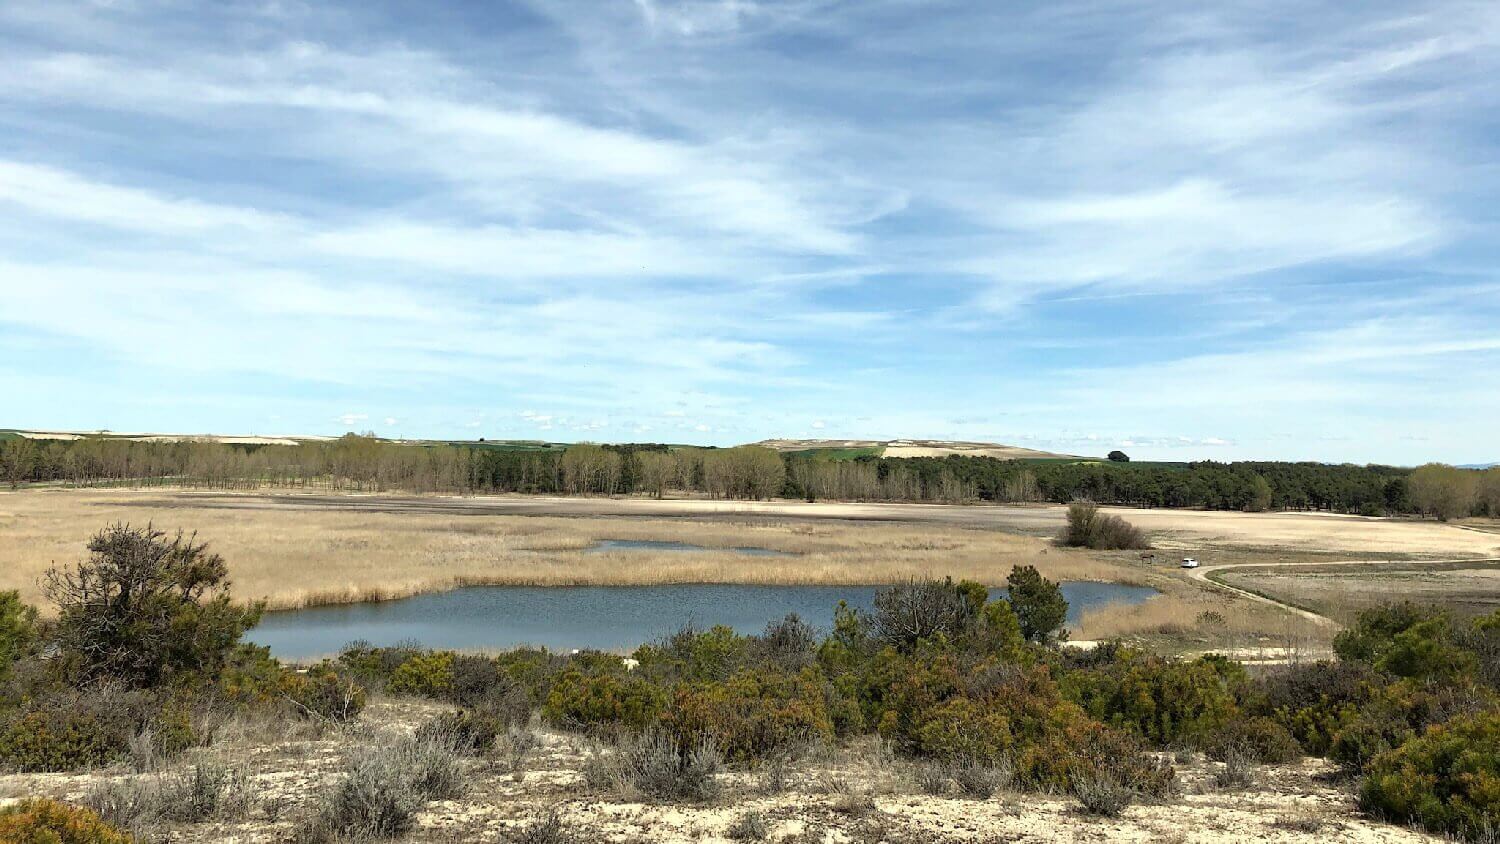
(616,618)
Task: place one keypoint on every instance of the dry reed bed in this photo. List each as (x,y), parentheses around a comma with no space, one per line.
(293,558)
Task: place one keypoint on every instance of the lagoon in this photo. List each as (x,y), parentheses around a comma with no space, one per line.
(614,618)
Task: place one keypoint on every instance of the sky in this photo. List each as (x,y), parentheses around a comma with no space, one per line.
(1237,230)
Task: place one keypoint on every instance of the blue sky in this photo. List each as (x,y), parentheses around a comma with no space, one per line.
(1192,231)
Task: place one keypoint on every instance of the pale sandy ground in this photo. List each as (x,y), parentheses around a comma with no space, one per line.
(852,794)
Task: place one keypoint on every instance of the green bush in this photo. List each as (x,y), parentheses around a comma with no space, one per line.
(1164,701)
(424,675)
(690,655)
(752,714)
(1038,604)
(1316,701)
(18,631)
(1407,640)
(1258,739)
(1094,762)
(1400,712)
(50,822)
(251,677)
(374,666)
(73,730)
(168,615)
(1446,781)
(610,700)
(322,692)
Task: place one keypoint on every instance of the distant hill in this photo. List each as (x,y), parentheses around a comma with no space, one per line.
(915,448)
(1478,465)
(239,439)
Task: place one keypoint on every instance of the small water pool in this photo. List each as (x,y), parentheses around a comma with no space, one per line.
(616,618)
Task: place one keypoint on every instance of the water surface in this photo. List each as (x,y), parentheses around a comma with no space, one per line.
(616,618)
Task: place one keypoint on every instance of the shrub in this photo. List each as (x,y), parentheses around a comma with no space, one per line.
(18,631)
(424,675)
(548,828)
(1446,781)
(140,805)
(252,677)
(50,822)
(979,779)
(583,701)
(323,693)
(659,765)
(1088,528)
(788,644)
(1164,701)
(1211,619)
(469,732)
(1100,793)
(752,714)
(1238,770)
(1088,754)
(374,666)
(751,826)
(69,731)
(52,741)
(383,789)
(204,791)
(1400,712)
(133,805)
(143,610)
(692,655)
(1408,640)
(933,778)
(1316,701)
(480,684)
(920,610)
(1038,603)
(1258,739)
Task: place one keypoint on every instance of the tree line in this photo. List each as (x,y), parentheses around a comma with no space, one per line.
(365,463)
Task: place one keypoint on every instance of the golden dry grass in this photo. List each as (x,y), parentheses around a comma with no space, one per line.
(1178,614)
(293,557)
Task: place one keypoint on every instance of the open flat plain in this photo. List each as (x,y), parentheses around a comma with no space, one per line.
(294,550)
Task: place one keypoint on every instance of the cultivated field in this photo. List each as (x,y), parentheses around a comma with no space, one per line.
(857,793)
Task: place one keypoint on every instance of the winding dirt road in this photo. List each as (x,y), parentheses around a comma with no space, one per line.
(1202,573)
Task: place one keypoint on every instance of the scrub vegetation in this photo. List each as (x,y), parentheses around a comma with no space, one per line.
(972,694)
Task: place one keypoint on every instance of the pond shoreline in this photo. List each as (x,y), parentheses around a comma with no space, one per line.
(593,617)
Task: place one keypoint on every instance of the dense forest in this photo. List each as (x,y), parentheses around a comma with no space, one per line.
(366,463)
